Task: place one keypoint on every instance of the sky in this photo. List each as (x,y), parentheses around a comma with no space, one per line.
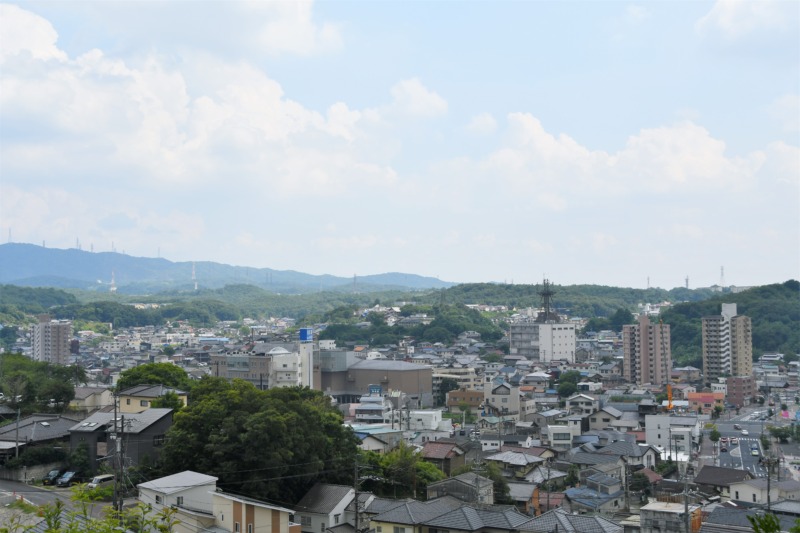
(604,142)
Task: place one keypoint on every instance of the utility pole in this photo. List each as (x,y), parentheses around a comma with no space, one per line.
(686,497)
(355,487)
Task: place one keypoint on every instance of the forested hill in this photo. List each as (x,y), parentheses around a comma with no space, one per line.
(773,309)
(585,301)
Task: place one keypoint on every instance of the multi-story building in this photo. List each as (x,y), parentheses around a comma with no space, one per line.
(741,390)
(647,353)
(50,339)
(268,366)
(543,341)
(727,344)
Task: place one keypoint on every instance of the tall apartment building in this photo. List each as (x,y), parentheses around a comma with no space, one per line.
(647,352)
(50,339)
(727,344)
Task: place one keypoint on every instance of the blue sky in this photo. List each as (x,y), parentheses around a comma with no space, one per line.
(591,142)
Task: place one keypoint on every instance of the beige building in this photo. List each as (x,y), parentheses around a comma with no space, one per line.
(727,344)
(50,340)
(647,353)
(348,381)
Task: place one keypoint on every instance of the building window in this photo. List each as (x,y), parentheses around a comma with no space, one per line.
(127,401)
(336,518)
(179,501)
(158,440)
(249,528)
(236,527)
(305,520)
(143,403)
(158,499)
(399,529)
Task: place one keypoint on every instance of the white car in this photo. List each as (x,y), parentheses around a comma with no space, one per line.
(745,432)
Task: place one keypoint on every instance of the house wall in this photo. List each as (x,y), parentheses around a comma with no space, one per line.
(198,498)
(229,512)
(149,442)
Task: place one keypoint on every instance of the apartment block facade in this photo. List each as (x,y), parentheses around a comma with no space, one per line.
(647,352)
(50,340)
(543,342)
(727,344)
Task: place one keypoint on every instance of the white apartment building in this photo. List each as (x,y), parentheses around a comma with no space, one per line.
(50,340)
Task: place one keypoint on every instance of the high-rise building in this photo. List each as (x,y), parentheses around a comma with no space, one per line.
(727,344)
(546,338)
(647,352)
(50,339)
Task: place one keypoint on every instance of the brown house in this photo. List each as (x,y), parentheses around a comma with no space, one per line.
(445,454)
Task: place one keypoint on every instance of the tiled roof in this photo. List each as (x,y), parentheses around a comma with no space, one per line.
(134,423)
(324,497)
(440,450)
(719,476)
(559,520)
(415,512)
(515,458)
(467,518)
(38,428)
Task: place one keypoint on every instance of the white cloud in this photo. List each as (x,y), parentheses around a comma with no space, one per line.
(734,19)
(636,14)
(411,97)
(24,32)
(482,124)
(293,30)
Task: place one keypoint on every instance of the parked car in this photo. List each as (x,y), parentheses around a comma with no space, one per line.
(69,479)
(103,480)
(723,449)
(52,476)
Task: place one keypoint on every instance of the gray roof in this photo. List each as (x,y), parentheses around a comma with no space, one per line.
(585,458)
(603,479)
(726,520)
(718,476)
(628,449)
(515,458)
(178,482)
(134,422)
(38,428)
(560,520)
(150,391)
(81,393)
(616,413)
(466,518)
(415,512)
(521,492)
(322,498)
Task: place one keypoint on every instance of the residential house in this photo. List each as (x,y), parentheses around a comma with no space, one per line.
(468,487)
(445,454)
(659,517)
(719,479)
(90,399)
(140,398)
(199,506)
(189,490)
(515,465)
(755,490)
(525,497)
(728,520)
(582,404)
(601,494)
(603,418)
(323,506)
(142,434)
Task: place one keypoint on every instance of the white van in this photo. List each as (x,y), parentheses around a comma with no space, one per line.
(102,480)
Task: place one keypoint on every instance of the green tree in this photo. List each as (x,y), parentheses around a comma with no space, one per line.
(715,435)
(271,444)
(782,433)
(567,389)
(640,483)
(447,385)
(767,523)
(169,400)
(716,412)
(79,459)
(570,376)
(165,374)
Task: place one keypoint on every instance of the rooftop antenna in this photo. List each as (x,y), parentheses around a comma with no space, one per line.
(547,293)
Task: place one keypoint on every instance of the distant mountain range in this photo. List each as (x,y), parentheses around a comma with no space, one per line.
(31,265)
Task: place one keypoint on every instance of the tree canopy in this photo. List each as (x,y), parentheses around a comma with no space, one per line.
(273,444)
(165,374)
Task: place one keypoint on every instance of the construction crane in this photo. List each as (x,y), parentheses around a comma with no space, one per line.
(669,397)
